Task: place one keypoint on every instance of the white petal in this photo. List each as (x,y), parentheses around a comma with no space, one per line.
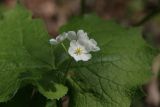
(95,49)
(94,46)
(86,57)
(61,37)
(72,35)
(65,35)
(93,41)
(90,45)
(83,57)
(80,32)
(77,58)
(73,43)
(71,51)
(82,35)
(53,41)
(73,46)
(85,43)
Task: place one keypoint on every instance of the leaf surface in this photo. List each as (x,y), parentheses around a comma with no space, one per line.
(26,56)
(112,76)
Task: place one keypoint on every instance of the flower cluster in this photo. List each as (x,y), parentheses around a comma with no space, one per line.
(80,44)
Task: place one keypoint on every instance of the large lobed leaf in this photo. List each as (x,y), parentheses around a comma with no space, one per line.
(112,76)
(26,56)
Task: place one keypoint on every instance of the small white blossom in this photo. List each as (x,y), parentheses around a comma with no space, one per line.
(82,35)
(58,39)
(90,44)
(78,52)
(61,37)
(53,41)
(83,39)
(72,35)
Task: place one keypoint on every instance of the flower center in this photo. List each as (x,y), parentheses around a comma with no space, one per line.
(78,51)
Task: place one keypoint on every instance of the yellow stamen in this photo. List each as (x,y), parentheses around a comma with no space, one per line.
(78,51)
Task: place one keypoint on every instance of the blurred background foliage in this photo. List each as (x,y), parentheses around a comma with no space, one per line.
(55,13)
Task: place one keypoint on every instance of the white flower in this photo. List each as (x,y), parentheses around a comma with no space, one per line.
(83,39)
(58,39)
(78,52)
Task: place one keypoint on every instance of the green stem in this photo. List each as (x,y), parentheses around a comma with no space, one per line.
(64,47)
(70,60)
(52,54)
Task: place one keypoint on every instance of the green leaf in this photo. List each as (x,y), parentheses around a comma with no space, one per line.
(60,91)
(26,55)
(112,76)
(51,104)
